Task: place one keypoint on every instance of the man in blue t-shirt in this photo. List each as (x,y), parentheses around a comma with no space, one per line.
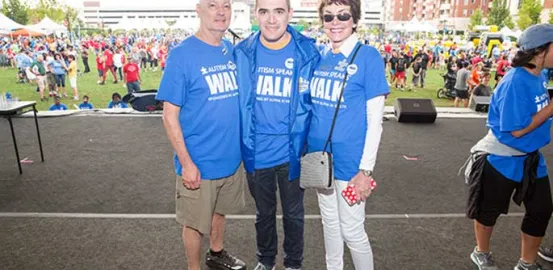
(274,126)
(86,105)
(201,116)
(58,106)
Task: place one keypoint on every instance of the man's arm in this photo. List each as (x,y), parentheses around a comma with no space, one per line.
(190,173)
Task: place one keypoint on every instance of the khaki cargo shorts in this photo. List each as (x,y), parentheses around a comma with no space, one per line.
(195,208)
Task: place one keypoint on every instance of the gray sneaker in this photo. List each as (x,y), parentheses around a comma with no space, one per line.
(261,266)
(546,253)
(524,266)
(483,260)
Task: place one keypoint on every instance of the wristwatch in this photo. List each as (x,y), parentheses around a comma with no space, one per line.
(367,173)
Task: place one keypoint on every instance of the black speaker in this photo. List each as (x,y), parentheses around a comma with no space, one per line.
(415,110)
(480,104)
(550,91)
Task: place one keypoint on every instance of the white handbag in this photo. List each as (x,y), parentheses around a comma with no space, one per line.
(317,170)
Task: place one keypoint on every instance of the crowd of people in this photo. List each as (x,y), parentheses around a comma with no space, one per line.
(247,113)
(47,63)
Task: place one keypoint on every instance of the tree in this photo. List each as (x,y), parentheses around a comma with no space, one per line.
(477,18)
(499,14)
(529,13)
(15,10)
(551,16)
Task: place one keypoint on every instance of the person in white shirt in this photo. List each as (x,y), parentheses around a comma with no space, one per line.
(118,63)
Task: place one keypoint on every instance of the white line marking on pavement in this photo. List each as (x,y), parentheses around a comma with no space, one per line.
(233,217)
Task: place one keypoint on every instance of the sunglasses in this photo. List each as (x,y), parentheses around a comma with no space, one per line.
(343,17)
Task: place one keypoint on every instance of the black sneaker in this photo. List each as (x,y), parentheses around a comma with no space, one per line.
(224,261)
(546,253)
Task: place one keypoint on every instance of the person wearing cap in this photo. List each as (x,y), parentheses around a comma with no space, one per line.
(519,121)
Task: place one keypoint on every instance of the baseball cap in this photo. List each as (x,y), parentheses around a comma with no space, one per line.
(535,36)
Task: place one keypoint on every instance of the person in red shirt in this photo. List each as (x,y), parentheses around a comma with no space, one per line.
(163,57)
(109,65)
(131,75)
(502,68)
(100,66)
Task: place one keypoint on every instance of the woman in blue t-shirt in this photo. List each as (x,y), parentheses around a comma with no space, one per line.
(357,132)
(59,68)
(520,125)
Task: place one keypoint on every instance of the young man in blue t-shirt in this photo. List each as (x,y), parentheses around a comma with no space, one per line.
(58,106)
(201,117)
(86,105)
(274,126)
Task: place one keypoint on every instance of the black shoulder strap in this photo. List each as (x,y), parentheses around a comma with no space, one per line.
(329,140)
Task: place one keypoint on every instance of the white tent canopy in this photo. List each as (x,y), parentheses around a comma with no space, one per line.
(7,24)
(414,26)
(429,28)
(48,25)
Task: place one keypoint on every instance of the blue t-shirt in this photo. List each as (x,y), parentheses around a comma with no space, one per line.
(518,97)
(117,105)
(86,106)
(366,80)
(59,107)
(274,73)
(57,67)
(201,79)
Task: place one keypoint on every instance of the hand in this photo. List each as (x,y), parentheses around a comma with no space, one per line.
(362,185)
(191,177)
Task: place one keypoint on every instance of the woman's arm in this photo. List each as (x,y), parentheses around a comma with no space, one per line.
(375,112)
(537,120)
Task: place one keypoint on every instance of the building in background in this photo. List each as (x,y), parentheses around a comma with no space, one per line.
(96,13)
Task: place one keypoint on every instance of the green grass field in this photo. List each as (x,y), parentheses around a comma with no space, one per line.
(100,95)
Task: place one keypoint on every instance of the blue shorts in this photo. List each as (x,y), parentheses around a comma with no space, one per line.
(100,73)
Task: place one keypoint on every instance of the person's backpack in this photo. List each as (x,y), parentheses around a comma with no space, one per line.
(144,101)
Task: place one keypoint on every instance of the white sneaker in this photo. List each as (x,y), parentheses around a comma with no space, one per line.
(260,266)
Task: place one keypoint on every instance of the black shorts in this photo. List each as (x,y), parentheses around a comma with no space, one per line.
(462,94)
(497,191)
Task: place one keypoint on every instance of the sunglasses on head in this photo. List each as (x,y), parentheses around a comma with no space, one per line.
(343,17)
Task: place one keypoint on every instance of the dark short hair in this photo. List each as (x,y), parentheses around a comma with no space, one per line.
(355,6)
(287,3)
(72,57)
(486,75)
(115,95)
(85,96)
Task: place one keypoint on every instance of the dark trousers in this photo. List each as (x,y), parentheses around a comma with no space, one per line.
(423,76)
(263,188)
(85,63)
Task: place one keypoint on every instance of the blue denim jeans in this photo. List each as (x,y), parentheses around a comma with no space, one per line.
(263,187)
(133,87)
